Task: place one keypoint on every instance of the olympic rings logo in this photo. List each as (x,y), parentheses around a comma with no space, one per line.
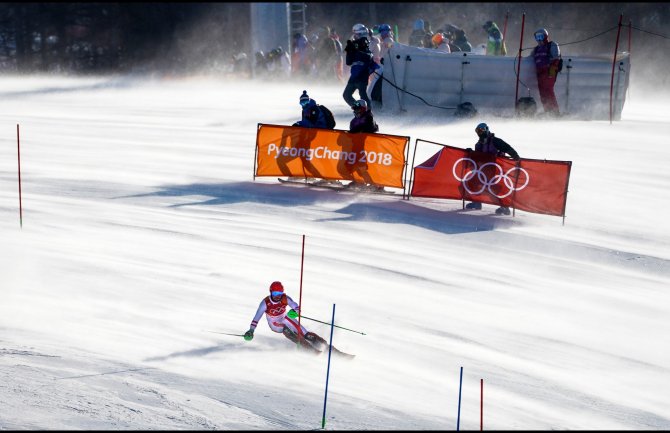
(487,183)
(276,311)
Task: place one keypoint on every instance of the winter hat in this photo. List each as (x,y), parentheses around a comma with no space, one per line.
(304,98)
(276,287)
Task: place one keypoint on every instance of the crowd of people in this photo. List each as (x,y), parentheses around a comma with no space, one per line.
(323,54)
(363,53)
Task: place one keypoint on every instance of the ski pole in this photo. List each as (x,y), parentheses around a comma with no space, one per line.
(326,323)
(225,333)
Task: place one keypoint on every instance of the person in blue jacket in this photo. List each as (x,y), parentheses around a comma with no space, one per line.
(312,116)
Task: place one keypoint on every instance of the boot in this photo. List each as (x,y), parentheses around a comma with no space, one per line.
(502,210)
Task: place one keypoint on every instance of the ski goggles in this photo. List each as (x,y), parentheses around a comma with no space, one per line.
(276,293)
(539,37)
(304,103)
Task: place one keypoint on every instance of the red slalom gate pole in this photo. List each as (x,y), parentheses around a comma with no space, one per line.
(18,152)
(481,406)
(330,351)
(518,68)
(505,26)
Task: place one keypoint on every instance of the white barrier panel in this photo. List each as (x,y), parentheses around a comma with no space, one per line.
(489,83)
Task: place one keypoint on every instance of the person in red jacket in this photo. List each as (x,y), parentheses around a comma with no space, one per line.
(547,56)
(274,307)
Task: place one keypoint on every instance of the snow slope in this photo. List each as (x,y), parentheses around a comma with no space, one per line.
(143,230)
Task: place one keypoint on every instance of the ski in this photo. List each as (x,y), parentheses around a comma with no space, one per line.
(321,348)
(338,352)
(313,184)
(335,187)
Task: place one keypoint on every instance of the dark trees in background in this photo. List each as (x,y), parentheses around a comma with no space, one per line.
(108,37)
(170,36)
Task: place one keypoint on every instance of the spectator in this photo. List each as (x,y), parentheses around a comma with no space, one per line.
(313,114)
(375,45)
(547,56)
(489,143)
(386,39)
(418,32)
(359,57)
(327,55)
(457,39)
(241,65)
(278,63)
(301,58)
(363,121)
(495,45)
(375,86)
(339,67)
(428,35)
(440,42)
(260,65)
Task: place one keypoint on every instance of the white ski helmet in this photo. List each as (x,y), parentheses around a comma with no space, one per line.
(359,31)
(541,34)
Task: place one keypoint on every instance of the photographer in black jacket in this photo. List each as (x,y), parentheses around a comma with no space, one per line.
(359,57)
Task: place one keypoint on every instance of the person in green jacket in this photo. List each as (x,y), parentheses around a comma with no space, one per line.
(495,45)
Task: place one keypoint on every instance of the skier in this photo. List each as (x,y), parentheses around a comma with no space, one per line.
(491,144)
(274,307)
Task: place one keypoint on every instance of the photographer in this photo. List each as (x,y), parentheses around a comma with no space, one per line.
(359,57)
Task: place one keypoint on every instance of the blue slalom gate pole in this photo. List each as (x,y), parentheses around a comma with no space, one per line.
(460,387)
(330,350)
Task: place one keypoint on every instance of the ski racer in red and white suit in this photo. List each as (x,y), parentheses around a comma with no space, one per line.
(275,313)
(274,307)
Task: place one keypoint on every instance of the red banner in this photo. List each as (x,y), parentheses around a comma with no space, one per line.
(330,154)
(531,185)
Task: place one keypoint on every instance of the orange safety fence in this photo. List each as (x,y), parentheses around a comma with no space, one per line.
(331,154)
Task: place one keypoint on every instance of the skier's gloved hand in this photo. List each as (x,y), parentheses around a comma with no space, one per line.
(292,314)
(469,149)
(249,335)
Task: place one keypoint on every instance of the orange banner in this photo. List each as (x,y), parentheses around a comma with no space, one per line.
(330,154)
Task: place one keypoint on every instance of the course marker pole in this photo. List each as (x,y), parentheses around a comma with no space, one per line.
(460,387)
(302,262)
(18,150)
(330,351)
(481,405)
(616,48)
